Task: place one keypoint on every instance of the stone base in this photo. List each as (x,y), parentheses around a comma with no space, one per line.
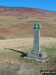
(38,57)
(38,60)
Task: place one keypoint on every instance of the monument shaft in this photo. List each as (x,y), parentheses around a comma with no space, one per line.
(36,44)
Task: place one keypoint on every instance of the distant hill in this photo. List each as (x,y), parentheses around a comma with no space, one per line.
(15,11)
(17,22)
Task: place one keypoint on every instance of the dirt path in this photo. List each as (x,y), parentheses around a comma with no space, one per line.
(14,43)
(25,69)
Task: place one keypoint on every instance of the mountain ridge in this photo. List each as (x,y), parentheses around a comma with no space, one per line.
(17,22)
(15,11)
(25,7)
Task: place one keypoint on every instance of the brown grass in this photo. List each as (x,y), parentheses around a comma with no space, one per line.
(16,43)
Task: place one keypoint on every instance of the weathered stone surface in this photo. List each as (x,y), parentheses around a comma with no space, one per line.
(36,53)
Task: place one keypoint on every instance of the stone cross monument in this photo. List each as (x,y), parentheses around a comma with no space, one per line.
(36,53)
(36,44)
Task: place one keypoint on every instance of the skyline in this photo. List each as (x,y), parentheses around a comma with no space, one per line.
(39,4)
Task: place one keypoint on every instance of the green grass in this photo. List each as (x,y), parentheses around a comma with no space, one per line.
(13,55)
(16,56)
(7,57)
(50,51)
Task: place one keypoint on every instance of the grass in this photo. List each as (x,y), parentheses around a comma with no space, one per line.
(27,67)
(24,27)
(50,51)
(16,56)
(13,55)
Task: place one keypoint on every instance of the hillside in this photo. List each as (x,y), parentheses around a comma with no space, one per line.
(17,11)
(16,27)
(17,22)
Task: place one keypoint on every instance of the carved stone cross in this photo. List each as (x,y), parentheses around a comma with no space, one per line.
(36,53)
(36,44)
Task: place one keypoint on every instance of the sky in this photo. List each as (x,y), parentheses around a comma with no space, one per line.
(40,4)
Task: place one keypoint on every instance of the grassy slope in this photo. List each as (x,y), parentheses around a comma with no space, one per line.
(27,67)
(14,27)
(11,59)
(18,22)
(21,27)
(7,53)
